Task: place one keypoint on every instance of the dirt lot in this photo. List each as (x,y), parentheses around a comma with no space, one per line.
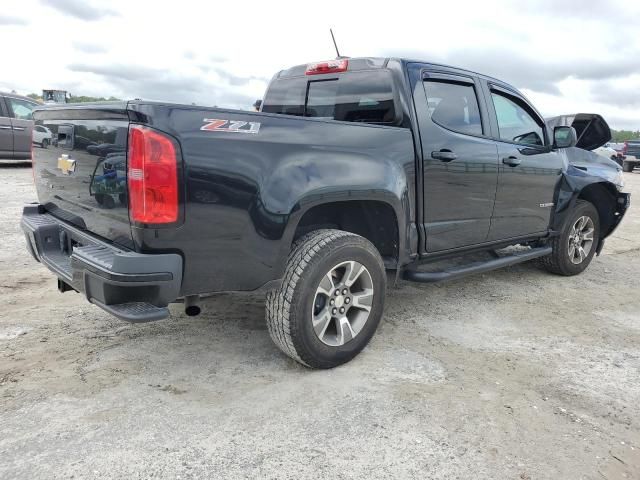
(515,374)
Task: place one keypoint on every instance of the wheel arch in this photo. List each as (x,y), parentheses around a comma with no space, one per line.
(603,196)
(378,220)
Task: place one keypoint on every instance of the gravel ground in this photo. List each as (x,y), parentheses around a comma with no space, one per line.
(514,374)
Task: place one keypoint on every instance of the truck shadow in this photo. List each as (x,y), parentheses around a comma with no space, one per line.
(14,164)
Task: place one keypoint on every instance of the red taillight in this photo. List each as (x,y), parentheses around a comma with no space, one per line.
(331,66)
(152,177)
(624,148)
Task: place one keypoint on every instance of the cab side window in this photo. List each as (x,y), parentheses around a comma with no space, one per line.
(454,106)
(515,124)
(21,110)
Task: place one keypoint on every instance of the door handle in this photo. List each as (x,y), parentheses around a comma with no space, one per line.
(444,155)
(511,161)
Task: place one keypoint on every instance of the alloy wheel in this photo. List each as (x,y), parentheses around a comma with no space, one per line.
(342,303)
(581,239)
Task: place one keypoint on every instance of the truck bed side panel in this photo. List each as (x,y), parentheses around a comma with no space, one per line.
(245,192)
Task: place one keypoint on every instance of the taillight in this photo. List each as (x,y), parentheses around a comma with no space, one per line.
(331,66)
(152,177)
(624,148)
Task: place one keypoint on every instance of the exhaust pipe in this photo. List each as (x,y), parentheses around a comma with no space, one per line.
(191,305)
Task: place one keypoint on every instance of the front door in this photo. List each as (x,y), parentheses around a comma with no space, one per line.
(529,169)
(6,133)
(22,125)
(460,161)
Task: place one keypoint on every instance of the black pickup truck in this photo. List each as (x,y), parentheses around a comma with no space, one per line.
(353,167)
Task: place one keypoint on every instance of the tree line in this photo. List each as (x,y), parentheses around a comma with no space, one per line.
(78,99)
(619,136)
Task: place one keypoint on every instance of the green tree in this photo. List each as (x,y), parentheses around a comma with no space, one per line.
(85,99)
(618,136)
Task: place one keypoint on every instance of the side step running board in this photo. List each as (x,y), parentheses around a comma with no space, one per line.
(478,267)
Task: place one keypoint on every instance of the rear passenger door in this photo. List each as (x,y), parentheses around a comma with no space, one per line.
(22,124)
(6,132)
(529,168)
(459,160)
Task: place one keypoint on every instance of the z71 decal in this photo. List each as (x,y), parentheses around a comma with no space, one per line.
(232,126)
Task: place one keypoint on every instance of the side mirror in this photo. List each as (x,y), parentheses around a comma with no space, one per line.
(564,137)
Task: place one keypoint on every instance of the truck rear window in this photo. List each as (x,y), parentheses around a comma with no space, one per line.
(351,97)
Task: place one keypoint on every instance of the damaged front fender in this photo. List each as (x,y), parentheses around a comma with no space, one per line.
(589,177)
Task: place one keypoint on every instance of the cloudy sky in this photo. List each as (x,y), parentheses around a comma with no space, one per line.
(567,56)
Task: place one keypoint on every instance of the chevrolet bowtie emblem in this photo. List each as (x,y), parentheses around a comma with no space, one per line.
(67,165)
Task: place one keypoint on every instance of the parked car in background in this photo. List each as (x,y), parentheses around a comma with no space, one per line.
(617,146)
(16,125)
(607,150)
(42,136)
(631,151)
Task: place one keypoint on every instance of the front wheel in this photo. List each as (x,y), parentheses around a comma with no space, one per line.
(575,247)
(330,301)
(45,143)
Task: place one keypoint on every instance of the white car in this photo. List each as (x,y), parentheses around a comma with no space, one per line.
(606,151)
(42,136)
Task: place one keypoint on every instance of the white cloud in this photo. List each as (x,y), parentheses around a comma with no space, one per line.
(568,57)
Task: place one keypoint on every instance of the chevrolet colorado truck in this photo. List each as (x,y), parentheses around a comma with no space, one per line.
(355,167)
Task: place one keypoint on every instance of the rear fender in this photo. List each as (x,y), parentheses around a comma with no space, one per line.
(299,185)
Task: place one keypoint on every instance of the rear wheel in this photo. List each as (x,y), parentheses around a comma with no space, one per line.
(330,301)
(575,247)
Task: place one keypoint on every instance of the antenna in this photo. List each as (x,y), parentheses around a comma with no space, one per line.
(335,44)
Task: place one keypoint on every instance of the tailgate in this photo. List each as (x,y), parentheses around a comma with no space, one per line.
(81,176)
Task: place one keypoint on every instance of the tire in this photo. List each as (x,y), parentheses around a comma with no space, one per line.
(560,261)
(45,143)
(108,202)
(628,166)
(314,268)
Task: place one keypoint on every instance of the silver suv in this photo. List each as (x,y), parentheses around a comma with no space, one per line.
(16,126)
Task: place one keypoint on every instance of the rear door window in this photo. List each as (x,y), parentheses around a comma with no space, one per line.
(351,97)
(454,106)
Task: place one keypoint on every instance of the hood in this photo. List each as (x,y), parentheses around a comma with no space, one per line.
(592,130)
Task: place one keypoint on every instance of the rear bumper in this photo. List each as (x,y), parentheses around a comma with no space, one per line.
(132,286)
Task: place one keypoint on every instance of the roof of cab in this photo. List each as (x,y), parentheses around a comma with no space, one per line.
(15,95)
(368,63)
